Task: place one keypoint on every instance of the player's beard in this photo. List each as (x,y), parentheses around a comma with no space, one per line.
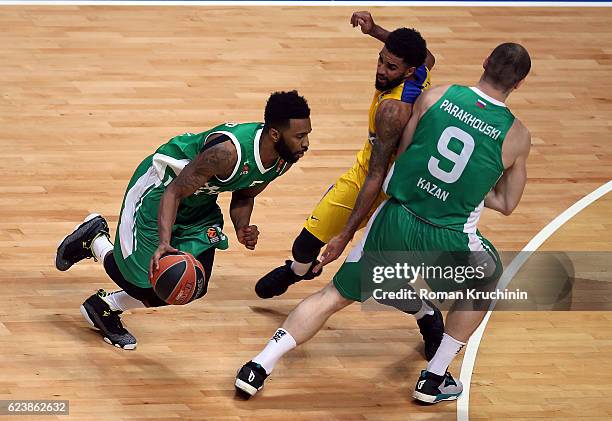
(389,84)
(282,149)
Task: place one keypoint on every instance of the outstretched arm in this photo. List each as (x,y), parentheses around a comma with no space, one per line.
(368,26)
(391,118)
(218,160)
(241,208)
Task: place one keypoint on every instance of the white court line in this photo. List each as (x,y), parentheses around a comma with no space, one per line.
(471,349)
(525,3)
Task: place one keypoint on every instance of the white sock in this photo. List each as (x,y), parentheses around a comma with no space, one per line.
(448,350)
(280,343)
(101,246)
(300,269)
(121,300)
(425,310)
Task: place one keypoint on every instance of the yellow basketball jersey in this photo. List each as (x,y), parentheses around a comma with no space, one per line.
(407,92)
(333,211)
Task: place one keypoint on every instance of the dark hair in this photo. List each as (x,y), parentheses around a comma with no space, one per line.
(407,44)
(508,64)
(283,106)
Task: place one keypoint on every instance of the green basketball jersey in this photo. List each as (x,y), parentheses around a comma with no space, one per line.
(171,158)
(454,160)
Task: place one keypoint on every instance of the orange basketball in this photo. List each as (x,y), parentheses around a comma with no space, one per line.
(179,279)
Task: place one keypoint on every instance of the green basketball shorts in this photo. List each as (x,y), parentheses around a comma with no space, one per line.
(396,240)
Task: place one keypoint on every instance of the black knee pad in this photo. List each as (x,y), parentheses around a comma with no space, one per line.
(306,247)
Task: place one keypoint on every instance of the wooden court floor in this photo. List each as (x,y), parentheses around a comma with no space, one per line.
(552,364)
(87,92)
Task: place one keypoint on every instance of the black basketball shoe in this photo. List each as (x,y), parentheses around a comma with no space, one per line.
(77,246)
(277,281)
(432,388)
(432,330)
(98,313)
(250,378)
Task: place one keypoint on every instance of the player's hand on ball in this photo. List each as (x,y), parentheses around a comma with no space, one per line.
(161,250)
(248,235)
(364,20)
(334,249)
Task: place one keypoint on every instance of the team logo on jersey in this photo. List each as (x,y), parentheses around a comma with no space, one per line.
(213,235)
(245,169)
(480,103)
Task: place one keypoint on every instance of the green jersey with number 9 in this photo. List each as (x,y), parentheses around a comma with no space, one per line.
(454,160)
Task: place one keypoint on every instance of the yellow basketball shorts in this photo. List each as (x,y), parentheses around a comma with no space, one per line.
(330,215)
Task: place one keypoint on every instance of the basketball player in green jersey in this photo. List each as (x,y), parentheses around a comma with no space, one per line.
(461,150)
(402,73)
(171,203)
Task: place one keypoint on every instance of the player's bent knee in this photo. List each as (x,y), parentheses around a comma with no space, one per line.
(306,247)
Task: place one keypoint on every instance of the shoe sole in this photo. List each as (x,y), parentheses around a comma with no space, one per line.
(87,317)
(432,399)
(268,296)
(61,264)
(245,387)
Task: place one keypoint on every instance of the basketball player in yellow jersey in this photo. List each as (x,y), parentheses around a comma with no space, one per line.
(402,74)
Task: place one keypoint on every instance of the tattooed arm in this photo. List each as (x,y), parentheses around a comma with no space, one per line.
(219,160)
(391,117)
